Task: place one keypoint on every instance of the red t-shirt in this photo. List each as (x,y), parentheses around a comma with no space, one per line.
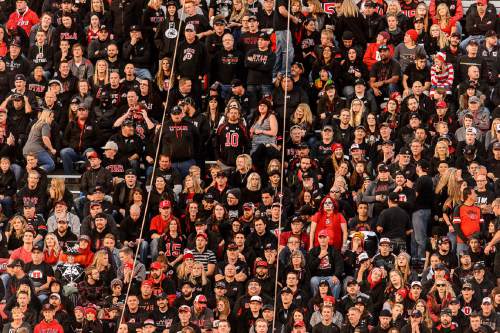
(332,223)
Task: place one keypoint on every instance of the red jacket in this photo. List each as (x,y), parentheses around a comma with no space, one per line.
(26,20)
(372,56)
(45,327)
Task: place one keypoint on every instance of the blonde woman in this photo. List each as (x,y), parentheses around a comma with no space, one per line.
(302,116)
(493,135)
(439,298)
(394,8)
(422,13)
(444,20)
(403,266)
(58,192)
(316,11)
(350,19)
(104,265)
(51,249)
(185,269)
(39,141)
(101,75)
(435,41)
(357,112)
(251,193)
(240,8)
(15,231)
(441,154)
(191,191)
(198,276)
(223,309)
(239,177)
(421,306)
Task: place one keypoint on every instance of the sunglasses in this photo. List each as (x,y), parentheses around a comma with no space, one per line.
(441,285)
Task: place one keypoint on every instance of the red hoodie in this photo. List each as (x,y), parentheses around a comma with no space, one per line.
(25,20)
(45,327)
(372,56)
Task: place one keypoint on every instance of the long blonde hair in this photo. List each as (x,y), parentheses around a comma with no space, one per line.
(307,118)
(43,118)
(447,16)
(96,261)
(493,129)
(96,74)
(23,222)
(442,40)
(356,119)
(348,9)
(196,185)
(57,247)
(236,16)
(249,182)
(57,189)
(203,276)
(247,159)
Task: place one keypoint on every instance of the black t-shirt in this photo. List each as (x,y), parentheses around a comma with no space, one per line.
(38,274)
(395,222)
(415,74)
(321,328)
(280,21)
(425,193)
(384,71)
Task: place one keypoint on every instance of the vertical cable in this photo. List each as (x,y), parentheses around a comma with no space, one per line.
(282,173)
(155,160)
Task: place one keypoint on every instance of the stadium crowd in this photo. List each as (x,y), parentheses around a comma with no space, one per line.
(249,166)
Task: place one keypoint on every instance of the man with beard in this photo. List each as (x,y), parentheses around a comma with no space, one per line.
(445,253)
(445,323)
(464,272)
(160,283)
(186,297)
(163,315)
(232,138)
(201,315)
(266,280)
(489,317)
(384,74)
(457,316)
(146,298)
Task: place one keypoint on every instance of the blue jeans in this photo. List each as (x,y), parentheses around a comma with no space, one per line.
(154,248)
(45,160)
(7,204)
(256,92)
(143,73)
(281,65)
(461,247)
(183,167)
(70,156)
(17,170)
(420,220)
(334,287)
(465,42)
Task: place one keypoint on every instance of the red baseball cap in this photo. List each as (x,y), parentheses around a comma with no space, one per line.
(441,104)
(329,298)
(323,233)
(165,204)
(187,256)
(147,283)
(202,234)
(156,265)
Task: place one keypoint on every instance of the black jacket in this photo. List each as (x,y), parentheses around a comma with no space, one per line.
(80,138)
(180,141)
(93,177)
(334,258)
(8,184)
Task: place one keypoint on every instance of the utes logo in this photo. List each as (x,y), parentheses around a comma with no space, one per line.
(467,310)
(36,274)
